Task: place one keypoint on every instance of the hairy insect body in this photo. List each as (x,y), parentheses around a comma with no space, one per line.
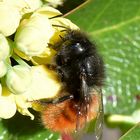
(80,68)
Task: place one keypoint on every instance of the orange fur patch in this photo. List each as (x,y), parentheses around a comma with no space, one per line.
(62,117)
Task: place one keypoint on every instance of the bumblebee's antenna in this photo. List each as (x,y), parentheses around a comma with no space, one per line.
(63,39)
(53,101)
(60,26)
(66,29)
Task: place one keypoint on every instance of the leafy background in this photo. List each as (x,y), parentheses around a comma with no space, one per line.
(115,26)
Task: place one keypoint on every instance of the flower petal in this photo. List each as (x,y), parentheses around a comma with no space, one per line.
(3,68)
(4,48)
(7,104)
(48,11)
(44,84)
(23,105)
(63,22)
(44,58)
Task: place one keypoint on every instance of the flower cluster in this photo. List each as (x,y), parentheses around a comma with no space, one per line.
(26,30)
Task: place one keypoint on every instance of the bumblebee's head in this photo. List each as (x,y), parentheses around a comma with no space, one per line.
(74,45)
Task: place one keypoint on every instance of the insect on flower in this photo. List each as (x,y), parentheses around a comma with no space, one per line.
(81,72)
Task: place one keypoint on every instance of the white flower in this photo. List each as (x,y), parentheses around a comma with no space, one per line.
(18,79)
(9,19)
(44,85)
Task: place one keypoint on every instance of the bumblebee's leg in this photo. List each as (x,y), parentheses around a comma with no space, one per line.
(54,101)
(61,99)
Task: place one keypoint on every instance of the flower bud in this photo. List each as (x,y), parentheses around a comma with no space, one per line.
(3,69)
(18,79)
(48,11)
(4,48)
(33,35)
(7,104)
(9,19)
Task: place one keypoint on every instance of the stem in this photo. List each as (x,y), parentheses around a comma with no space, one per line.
(2,81)
(8,64)
(20,61)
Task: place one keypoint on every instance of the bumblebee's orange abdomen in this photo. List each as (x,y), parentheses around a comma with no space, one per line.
(62,117)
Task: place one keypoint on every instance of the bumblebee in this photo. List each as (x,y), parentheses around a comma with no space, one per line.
(81,70)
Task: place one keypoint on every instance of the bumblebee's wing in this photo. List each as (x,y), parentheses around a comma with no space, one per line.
(100,118)
(84,86)
(85,96)
(78,134)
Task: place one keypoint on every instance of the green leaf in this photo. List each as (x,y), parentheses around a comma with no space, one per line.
(115,27)
(22,128)
(132,134)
